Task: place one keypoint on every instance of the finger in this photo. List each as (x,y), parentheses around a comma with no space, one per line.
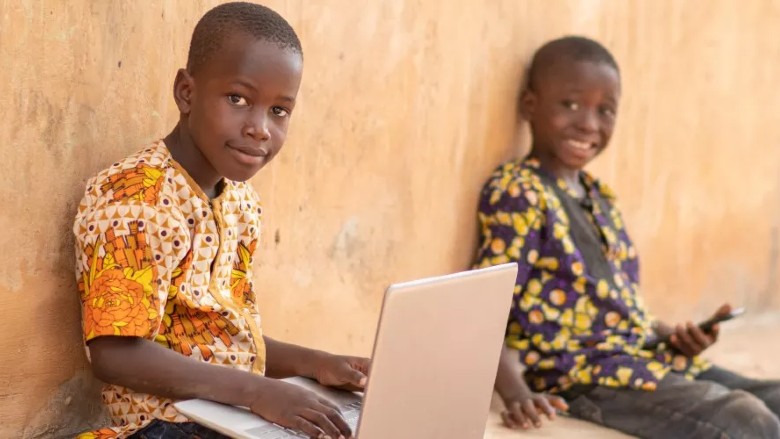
(695,345)
(322,422)
(509,420)
(558,402)
(542,405)
(357,378)
(337,420)
(723,310)
(307,428)
(680,346)
(700,337)
(529,409)
(329,405)
(675,343)
(684,341)
(363,365)
(516,411)
(715,332)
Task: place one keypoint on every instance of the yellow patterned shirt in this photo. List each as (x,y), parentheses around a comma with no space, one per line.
(155,258)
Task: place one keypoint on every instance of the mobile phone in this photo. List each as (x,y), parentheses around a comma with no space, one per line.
(707,325)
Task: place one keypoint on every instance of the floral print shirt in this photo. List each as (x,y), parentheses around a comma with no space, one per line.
(577,316)
(155,258)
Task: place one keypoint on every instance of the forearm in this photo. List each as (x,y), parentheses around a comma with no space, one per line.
(509,379)
(145,366)
(286,360)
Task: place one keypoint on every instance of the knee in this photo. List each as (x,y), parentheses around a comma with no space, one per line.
(772,400)
(744,415)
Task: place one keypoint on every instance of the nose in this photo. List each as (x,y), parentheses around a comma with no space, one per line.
(256,126)
(588,121)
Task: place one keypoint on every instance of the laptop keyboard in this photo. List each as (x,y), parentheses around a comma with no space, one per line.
(350,413)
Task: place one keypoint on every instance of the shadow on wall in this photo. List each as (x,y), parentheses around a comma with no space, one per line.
(76,406)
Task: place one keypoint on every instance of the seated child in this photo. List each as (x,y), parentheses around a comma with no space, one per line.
(165,241)
(577,324)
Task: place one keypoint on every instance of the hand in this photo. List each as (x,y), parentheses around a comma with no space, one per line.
(524,409)
(348,373)
(294,407)
(690,340)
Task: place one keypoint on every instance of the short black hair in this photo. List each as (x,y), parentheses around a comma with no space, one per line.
(227,19)
(572,48)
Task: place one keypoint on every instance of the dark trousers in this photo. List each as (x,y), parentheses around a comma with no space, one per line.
(718,404)
(158,429)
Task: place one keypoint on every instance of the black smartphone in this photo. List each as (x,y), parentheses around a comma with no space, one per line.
(707,325)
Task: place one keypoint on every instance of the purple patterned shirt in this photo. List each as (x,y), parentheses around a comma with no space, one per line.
(577,316)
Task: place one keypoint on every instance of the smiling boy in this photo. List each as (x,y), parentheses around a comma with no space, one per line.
(577,323)
(165,241)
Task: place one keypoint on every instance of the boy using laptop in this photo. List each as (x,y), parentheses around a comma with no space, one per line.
(165,241)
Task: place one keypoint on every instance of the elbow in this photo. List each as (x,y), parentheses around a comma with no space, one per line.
(107,357)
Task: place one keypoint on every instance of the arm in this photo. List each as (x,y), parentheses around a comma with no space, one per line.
(286,360)
(498,236)
(145,366)
(509,379)
(523,406)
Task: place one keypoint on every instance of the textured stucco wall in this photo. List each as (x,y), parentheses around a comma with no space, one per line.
(405,108)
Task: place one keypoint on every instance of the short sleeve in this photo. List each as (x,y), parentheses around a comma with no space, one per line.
(122,271)
(510,222)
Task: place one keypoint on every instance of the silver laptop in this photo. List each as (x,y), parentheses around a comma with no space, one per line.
(434,364)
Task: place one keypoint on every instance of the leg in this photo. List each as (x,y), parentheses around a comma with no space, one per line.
(172,430)
(679,409)
(766,390)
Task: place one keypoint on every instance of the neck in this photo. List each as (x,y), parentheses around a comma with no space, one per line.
(547,162)
(189,156)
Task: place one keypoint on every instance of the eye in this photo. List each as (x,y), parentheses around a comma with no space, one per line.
(280,112)
(571,105)
(237,100)
(608,111)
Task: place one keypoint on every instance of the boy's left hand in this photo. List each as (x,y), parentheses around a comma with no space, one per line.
(341,371)
(691,340)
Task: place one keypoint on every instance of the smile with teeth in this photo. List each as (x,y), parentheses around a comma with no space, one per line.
(576,144)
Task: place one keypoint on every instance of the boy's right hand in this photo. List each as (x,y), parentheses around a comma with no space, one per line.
(294,407)
(523,406)
(523,410)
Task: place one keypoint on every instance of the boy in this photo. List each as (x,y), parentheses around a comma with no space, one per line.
(577,323)
(165,240)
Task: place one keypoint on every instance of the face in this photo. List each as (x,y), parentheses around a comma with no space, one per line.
(572,109)
(237,106)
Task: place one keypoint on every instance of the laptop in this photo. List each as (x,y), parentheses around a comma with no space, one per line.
(433,367)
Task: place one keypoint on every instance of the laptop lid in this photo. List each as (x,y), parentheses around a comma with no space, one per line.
(436,354)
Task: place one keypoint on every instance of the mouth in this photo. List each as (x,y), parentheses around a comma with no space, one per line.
(249,155)
(250,151)
(581,145)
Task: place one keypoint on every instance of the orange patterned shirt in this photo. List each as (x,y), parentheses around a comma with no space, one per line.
(155,258)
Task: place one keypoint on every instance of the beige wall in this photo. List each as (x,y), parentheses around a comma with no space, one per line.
(405,108)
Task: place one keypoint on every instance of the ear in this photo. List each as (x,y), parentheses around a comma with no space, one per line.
(527,104)
(183,89)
